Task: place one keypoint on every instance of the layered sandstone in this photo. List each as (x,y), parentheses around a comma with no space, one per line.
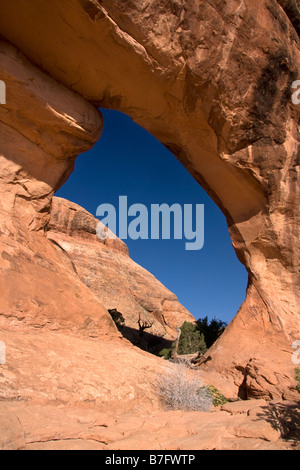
(212,81)
(56,367)
(117,281)
(61,343)
(43,127)
(253,425)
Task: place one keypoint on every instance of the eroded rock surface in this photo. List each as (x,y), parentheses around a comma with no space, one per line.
(62,367)
(212,81)
(43,127)
(118,282)
(254,426)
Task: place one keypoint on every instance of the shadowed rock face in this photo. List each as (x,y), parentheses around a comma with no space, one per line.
(212,81)
(292,9)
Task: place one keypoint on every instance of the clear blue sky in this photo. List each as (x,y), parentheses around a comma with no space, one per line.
(128,161)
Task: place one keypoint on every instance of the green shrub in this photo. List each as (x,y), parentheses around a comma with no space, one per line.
(197,337)
(217,397)
(191,340)
(211,330)
(166,353)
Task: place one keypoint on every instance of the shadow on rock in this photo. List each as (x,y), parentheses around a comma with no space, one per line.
(284,417)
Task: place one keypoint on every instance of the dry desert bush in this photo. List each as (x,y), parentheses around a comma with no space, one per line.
(183,389)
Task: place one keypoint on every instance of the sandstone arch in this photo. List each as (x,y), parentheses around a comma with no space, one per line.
(212,81)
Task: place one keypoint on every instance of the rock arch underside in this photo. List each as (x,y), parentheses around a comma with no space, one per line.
(212,81)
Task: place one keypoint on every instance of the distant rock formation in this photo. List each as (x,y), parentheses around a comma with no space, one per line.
(117,281)
(212,81)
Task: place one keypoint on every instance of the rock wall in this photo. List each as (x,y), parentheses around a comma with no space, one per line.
(212,81)
(43,128)
(61,343)
(117,281)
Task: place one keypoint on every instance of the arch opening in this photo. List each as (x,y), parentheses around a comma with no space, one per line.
(129,162)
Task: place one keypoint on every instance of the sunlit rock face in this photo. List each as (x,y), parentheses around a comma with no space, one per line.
(119,283)
(213,82)
(43,127)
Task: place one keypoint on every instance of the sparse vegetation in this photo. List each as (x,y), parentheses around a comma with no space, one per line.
(166,353)
(191,340)
(196,337)
(211,330)
(182,390)
(144,325)
(218,398)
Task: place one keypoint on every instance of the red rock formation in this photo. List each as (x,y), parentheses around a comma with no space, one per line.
(212,81)
(43,127)
(118,282)
(61,343)
(238,426)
